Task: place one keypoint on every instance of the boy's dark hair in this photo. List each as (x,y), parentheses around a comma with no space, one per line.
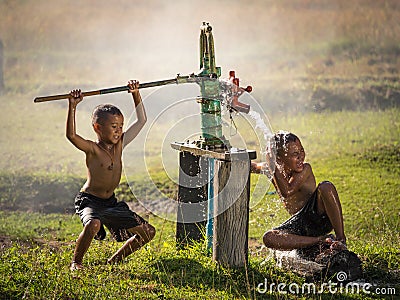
(282,139)
(102,111)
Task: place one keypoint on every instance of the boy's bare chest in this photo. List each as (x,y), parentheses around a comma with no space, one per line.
(102,160)
(297,200)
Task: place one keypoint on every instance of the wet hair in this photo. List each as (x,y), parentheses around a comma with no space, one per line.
(102,111)
(282,140)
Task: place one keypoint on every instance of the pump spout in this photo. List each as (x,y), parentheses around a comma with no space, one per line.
(238,91)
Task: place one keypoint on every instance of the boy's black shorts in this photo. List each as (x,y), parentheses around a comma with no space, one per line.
(307,221)
(113,214)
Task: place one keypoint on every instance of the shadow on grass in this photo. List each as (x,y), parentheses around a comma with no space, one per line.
(190,272)
(382,275)
(252,282)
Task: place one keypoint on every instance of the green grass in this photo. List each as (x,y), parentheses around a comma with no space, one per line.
(157,271)
(362,161)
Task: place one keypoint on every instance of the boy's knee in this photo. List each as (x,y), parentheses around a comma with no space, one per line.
(146,232)
(269,238)
(93,226)
(326,187)
(150,231)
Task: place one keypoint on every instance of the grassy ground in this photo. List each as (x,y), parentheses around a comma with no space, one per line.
(362,161)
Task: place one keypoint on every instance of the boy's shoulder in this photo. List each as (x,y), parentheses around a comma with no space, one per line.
(92,146)
(308,168)
(92,143)
(307,165)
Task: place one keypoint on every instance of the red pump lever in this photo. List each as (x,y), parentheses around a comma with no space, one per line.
(236,104)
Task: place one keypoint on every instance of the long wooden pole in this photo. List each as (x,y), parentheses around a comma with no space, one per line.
(178,79)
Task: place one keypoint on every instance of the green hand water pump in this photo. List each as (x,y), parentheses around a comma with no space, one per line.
(211,127)
(211,99)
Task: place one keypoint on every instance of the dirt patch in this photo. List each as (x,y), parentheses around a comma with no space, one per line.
(7,242)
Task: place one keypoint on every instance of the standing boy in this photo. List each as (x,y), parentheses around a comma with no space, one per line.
(96,203)
(315,210)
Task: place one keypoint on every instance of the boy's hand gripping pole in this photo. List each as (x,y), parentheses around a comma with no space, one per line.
(177,80)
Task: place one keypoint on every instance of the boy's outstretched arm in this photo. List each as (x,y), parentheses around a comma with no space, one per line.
(79,142)
(261,168)
(135,128)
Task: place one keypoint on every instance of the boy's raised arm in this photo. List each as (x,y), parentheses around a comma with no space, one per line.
(75,139)
(135,128)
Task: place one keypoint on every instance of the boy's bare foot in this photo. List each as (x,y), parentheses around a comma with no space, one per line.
(76,266)
(329,238)
(338,246)
(335,245)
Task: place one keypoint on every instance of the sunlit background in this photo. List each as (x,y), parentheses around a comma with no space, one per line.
(299,56)
(328,70)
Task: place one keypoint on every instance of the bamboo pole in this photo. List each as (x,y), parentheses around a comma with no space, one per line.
(178,79)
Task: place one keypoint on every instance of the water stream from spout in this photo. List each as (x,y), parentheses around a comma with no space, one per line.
(260,124)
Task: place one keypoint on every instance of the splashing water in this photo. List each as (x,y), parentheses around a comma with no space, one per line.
(267,150)
(261,125)
(227,92)
(269,146)
(267,143)
(281,257)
